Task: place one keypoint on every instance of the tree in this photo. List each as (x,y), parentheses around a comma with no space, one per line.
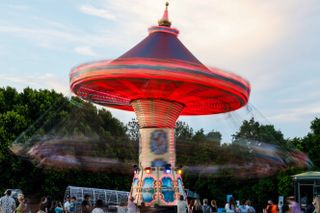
(85,130)
(133,130)
(214,136)
(315,126)
(312,148)
(11,124)
(297,143)
(9,98)
(43,114)
(199,136)
(285,184)
(310,144)
(183,131)
(253,130)
(264,190)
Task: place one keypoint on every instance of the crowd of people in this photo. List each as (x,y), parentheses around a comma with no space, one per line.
(195,206)
(47,205)
(69,205)
(10,205)
(292,206)
(245,206)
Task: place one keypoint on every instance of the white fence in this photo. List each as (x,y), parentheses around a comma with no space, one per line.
(107,196)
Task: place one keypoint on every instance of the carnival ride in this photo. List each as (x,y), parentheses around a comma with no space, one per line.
(159,79)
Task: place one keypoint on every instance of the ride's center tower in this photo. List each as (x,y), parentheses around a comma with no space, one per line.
(158,180)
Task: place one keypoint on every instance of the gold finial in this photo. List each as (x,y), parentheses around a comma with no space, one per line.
(164,21)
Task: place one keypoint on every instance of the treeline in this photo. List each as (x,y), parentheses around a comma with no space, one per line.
(33,116)
(40,116)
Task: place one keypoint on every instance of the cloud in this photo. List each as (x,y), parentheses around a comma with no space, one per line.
(46,80)
(102,13)
(18,7)
(297,114)
(85,50)
(223,34)
(37,34)
(67,41)
(218,28)
(298,108)
(227,35)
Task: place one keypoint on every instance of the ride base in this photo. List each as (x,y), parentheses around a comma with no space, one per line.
(157,182)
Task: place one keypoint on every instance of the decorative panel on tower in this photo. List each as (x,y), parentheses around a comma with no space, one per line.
(157,147)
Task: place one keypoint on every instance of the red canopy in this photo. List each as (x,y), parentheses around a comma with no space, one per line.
(160,67)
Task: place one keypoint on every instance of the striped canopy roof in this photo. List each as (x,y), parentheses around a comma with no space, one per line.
(160,67)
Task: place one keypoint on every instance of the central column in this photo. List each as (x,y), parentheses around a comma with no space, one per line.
(156,182)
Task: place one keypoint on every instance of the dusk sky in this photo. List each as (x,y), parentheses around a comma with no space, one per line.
(274,44)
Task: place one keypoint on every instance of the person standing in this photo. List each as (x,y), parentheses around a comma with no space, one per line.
(58,207)
(214,207)
(205,207)
(50,204)
(182,205)
(271,207)
(243,208)
(86,204)
(98,208)
(66,205)
(250,207)
(293,205)
(72,207)
(7,203)
(304,201)
(43,205)
(123,207)
(22,207)
(190,206)
(280,206)
(197,208)
(230,207)
(316,204)
(131,206)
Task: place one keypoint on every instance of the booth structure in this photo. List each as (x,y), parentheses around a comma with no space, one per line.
(306,186)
